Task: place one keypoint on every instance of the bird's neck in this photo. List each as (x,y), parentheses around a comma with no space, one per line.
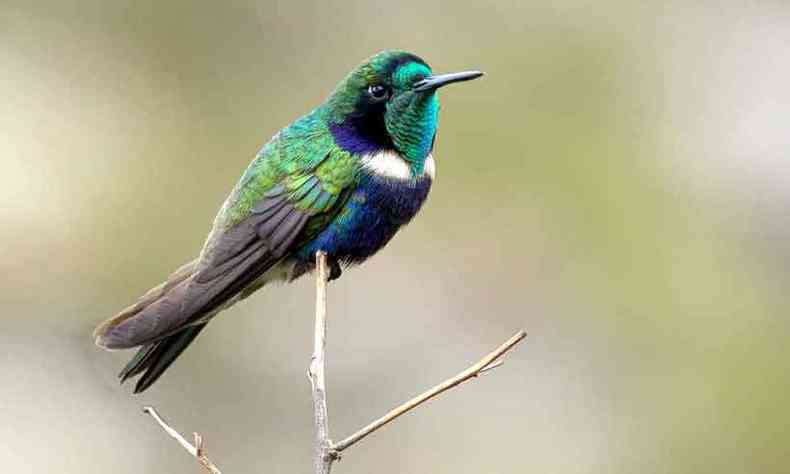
(411,139)
(413,129)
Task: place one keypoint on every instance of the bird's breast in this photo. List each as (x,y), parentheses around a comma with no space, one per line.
(386,197)
(390,189)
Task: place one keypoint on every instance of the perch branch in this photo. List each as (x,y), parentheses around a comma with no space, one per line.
(324,454)
(325,451)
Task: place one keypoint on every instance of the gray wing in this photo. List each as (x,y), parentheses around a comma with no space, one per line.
(239,256)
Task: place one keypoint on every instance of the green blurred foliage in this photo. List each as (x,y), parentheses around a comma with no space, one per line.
(616,184)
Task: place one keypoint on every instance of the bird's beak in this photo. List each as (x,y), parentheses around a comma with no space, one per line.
(435,82)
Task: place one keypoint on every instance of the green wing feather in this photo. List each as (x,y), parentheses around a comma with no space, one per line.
(301,167)
(290,192)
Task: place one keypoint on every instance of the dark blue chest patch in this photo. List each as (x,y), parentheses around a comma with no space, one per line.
(373,214)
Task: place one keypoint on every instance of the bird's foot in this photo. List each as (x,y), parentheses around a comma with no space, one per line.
(334,270)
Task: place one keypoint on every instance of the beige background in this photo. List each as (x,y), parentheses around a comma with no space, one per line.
(617,184)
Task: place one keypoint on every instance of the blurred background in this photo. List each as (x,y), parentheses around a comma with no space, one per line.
(617,185)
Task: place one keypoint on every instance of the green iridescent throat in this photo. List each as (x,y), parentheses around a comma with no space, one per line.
(412,127)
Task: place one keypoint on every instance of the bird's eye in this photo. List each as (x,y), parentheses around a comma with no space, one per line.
(378,92)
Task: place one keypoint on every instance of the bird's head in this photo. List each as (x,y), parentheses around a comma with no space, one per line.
(389,102)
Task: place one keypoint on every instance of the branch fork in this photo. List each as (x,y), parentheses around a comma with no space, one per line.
(197,450)
(327,452)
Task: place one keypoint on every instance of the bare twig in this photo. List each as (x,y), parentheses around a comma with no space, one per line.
(324,453)
(197,451)
(486,363)
(327,452)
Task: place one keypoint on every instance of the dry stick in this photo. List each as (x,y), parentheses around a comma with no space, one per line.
(196,451)
(485,364)
(324,454)
(327,452)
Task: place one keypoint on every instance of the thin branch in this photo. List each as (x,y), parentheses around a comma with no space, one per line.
(324,453)
(197,451)
(486,363)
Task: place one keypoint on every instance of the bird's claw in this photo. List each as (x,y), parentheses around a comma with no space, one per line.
(334,270)
(333,454)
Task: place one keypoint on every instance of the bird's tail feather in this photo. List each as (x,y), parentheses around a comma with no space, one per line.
(151,317)
(153,359)
(145,324)
(167,318)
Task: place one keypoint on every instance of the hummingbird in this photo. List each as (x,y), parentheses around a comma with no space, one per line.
(342,179)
